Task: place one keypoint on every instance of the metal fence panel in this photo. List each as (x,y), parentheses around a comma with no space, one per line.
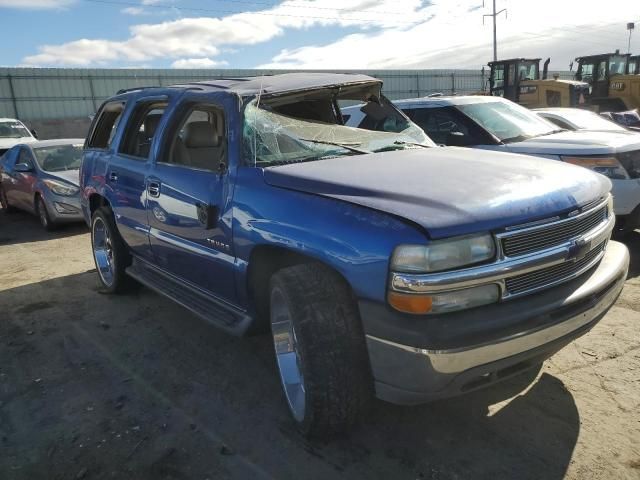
(59,93)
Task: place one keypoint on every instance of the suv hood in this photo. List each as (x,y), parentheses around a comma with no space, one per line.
(581,142)
(448,191)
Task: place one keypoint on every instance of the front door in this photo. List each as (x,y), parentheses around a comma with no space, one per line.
(22,195)
(188,196)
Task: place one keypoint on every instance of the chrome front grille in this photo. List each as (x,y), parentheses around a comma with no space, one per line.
(550,276)
(545,236)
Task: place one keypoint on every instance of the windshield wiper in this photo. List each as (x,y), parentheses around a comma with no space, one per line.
(399,145)
(517,138)
(346,146)
(557,130)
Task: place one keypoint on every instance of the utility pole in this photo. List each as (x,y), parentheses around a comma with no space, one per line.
(495,36)
(630,27)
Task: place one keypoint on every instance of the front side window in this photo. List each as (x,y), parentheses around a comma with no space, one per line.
(58,158)
(498,76)
(446,126)
(528,71)
(288,132)
(106,126)
(199,139)
(507,121)
(13,129)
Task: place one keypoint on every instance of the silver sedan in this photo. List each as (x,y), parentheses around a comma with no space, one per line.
(42,178)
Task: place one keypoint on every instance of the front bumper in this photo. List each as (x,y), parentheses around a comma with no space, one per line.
(418,359)
(63,209)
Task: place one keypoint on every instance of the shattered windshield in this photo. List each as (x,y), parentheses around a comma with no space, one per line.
(274,138)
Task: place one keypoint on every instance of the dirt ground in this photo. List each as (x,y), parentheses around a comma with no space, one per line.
(134,387)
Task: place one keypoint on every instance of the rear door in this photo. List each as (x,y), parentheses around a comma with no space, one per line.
(128,169)
(7,174)
(189,195)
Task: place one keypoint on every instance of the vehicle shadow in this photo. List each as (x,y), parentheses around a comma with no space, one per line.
(134,386)
(632,241)
(20,227)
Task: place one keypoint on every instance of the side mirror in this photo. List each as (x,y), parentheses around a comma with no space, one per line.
(457,139)
(34,133)
(23,168)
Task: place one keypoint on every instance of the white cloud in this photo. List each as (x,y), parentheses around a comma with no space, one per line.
(133,11)
(203,36)
(391,34)
(35,4)
(456,38)
(197,63)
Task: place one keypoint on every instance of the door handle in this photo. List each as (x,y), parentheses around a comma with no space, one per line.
(154,189)
(113,177)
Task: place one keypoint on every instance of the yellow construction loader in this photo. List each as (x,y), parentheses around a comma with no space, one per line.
(518,79)
(614,81)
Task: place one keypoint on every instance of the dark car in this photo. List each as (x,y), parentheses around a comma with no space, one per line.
(42,178)
(381,264)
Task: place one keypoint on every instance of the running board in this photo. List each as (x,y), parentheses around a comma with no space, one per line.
(226,317)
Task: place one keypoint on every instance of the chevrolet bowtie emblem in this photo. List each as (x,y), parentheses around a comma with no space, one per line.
(578,250)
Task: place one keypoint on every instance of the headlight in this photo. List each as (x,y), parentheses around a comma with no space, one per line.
(61,188)
(443,254)
(444,302)
(607,166)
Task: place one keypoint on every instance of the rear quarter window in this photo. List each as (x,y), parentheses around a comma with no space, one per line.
(106,125)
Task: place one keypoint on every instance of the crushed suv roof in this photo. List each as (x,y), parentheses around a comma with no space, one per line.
(285,82)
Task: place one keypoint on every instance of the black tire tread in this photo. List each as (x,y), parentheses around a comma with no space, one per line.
(332,346)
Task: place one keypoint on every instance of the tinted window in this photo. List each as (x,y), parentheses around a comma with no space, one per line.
(446,126)
(142,128)
(106,126)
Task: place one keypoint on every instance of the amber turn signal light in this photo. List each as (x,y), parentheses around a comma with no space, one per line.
(410,303)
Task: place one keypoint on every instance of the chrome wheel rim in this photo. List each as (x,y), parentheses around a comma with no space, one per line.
(103,251)
(287,355)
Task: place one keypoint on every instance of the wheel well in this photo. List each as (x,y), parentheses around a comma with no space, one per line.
(266,260)
(96,201)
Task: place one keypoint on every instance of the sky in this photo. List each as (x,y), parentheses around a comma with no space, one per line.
(307,34)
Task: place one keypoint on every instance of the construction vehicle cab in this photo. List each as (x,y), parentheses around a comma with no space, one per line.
(612,77)
(518,80)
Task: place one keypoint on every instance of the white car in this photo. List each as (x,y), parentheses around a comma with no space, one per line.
(13,132)
(579,119)
(493,123)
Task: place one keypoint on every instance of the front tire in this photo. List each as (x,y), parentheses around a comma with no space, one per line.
(320,349)
(4,201)
(110,253)
(43,215)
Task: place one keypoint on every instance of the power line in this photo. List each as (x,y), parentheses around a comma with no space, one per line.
(265,13)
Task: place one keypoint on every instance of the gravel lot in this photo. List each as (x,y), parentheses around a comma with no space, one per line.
(135,387)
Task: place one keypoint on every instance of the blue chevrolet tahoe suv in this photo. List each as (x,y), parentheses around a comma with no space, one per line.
(382,265)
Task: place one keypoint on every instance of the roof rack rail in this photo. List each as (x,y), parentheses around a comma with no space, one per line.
(133,89)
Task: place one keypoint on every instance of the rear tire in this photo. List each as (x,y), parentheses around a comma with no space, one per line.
(110,253)
(320,349)
(43,215)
